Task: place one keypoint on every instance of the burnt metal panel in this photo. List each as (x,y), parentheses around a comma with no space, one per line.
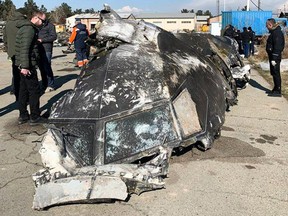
(186,112)
(137,133)
(78,140)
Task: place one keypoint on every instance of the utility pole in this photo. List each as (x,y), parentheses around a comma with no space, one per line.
(259,5)
(248,5)
(218,7)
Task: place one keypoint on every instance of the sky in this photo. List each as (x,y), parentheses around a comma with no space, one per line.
(161,6)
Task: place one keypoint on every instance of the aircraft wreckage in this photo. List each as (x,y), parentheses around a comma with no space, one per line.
(223,52)
(145,95)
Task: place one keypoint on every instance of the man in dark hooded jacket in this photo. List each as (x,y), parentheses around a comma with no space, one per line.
(79,35)
(274,47)
(229,31)
(10,32)
(27,57)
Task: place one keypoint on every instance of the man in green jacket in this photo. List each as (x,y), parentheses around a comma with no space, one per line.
(10,32)
(27,57)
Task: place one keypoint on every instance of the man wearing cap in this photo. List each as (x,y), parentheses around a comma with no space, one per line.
(79,35)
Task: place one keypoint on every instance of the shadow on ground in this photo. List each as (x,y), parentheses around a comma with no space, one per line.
(224,149)
(257,85)
(9,108)
(51,101)
(59,81)
(59,56)
(5,90)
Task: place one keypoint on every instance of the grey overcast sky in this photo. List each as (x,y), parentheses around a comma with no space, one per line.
(162,5)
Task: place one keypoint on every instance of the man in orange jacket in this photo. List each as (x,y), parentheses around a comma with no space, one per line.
(79,35)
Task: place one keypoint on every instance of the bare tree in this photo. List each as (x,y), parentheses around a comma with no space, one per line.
(58,15)
(30,6)
(7,8)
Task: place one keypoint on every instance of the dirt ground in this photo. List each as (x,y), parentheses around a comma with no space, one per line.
(262,56)
(254,61)
(245,172)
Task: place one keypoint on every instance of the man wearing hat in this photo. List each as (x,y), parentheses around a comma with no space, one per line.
(79,35)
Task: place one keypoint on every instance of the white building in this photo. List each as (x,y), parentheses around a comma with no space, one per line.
(170,21)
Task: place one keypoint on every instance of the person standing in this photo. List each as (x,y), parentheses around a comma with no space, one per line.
(26,59)
(79,35)
(246,38)
(10,32)
(252,36)
(229,31)
(47,35)
(274,47)
(238,38)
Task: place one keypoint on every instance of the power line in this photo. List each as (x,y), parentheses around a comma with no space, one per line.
(257,6)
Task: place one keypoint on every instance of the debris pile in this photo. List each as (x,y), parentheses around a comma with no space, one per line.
(146,94)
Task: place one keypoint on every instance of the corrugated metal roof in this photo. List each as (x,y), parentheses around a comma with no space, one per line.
(165,15)
(88,16)
(202,18)
(96,15)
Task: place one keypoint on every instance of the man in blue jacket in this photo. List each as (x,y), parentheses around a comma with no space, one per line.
(79,35)
(46,36)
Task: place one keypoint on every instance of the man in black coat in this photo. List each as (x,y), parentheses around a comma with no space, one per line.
(229,31)
(46,36)
(274,47)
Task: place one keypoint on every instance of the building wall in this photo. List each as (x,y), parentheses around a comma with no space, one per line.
(169,24)
(172,24)
(90,23)
(70,22)
(215,19)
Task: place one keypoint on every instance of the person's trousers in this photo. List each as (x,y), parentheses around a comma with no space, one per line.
(15,79)
(46,71)
(275,72)
(29,94)
(81,56)
(246,47)
(252,48)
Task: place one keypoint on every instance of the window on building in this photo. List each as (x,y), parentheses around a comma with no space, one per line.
(92,26)
(171,21)
(185,21)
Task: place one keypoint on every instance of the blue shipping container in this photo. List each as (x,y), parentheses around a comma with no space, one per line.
(239,19)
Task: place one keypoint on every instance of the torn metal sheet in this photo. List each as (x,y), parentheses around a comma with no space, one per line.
(223,52)
(147,93)
(61,183)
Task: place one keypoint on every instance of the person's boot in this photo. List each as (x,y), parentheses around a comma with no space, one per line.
(275,93)
(23,119)
(38,121)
